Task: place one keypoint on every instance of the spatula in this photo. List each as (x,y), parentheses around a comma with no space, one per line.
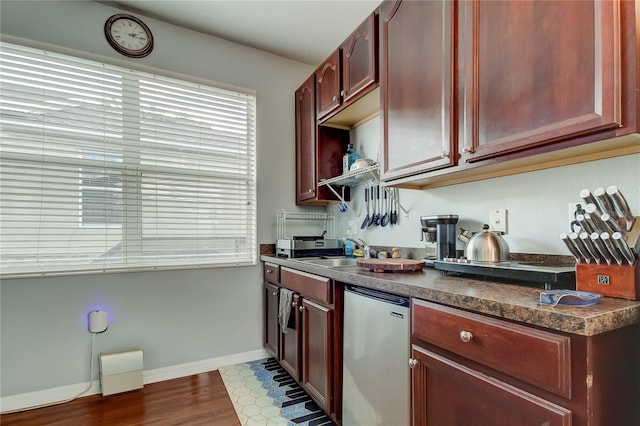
(384,221)
(365,222)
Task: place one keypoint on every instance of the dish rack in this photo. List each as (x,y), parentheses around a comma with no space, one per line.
(325,221)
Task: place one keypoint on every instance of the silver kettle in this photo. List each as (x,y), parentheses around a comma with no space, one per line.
(487,246)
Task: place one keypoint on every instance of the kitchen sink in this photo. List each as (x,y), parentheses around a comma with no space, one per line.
(333,262)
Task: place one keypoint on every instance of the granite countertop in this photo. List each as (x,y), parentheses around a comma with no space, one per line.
(512,302)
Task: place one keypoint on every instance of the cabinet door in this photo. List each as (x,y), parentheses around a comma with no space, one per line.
(305,141)
(447,393)
(328,85)
(290,342)
(360,60)
(271,325)
(417,69)
(538,72)
(317,350)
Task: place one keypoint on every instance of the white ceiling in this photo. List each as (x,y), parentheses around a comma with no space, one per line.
(304,30)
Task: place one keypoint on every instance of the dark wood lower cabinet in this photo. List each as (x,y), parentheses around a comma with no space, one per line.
(271,325)
(472,369)
(317,348)
(290,343)
(448,393)
(311,348)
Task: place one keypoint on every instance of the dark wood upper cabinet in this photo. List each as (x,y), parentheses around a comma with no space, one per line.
(360,59)
(319,150)
(347,75)
(328,85)
(305,122)
(349,72)
(479,89)
(537,72)
(418,84)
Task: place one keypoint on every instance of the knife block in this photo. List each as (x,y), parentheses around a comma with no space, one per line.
(613,280)
(609,280)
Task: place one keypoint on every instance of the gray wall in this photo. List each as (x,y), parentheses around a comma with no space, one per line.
(176,317)
(184,316)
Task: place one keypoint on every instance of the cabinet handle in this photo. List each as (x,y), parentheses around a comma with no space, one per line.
(343,93)
(445,154)
(467,149)
(301,308)
(293,304)
(335,98)
(275,293)
(413,363)
(466,336)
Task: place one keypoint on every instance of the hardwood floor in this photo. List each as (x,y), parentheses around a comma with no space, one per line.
(196,400)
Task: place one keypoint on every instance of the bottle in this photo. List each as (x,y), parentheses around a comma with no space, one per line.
(349,158)
(348,244)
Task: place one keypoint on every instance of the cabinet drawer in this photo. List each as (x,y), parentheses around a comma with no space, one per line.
(535,356)
(272,273)
(311,286)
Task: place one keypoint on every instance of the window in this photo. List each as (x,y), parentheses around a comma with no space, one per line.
(107,169)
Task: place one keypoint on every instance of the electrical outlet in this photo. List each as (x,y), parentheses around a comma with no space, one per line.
(498,220)
(353,225)
(571,211)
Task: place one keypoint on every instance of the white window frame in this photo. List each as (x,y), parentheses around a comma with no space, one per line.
(196,173)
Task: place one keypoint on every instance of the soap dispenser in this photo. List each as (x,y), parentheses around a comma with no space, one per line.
(348,244)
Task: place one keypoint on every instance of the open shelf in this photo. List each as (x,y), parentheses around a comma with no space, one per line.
(354,177)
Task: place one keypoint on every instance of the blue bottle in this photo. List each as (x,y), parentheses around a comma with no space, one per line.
(348,244)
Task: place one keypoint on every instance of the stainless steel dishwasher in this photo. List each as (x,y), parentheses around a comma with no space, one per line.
(376,376)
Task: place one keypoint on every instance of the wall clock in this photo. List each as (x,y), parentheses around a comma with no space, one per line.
(128,35)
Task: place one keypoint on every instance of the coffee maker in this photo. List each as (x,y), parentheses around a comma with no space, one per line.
(439,235)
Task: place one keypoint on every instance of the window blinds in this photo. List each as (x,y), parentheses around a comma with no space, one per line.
(105,169)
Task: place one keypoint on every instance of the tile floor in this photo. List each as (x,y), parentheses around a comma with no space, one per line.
(264,394)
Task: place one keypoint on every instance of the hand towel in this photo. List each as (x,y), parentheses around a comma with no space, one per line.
(284,308)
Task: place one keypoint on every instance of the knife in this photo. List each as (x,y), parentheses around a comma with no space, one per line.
(591,248)
(581,247)
(621,206)
(606,238)
(597,241)
(594,214)
(622,245)
(585,223)
(611,224)
(572,247)
(588,197)
(605,202)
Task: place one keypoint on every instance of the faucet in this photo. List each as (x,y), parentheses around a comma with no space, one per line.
(368,251)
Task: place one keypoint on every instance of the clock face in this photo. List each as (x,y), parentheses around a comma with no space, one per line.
(129,35)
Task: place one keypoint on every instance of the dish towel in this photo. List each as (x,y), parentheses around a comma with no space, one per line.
(284,308)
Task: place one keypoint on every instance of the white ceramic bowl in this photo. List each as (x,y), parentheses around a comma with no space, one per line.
(361,163)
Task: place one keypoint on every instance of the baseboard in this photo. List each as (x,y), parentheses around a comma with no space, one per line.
(31,400)
(197,367)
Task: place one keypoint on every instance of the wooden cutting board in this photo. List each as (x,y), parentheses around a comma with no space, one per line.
(392,265)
